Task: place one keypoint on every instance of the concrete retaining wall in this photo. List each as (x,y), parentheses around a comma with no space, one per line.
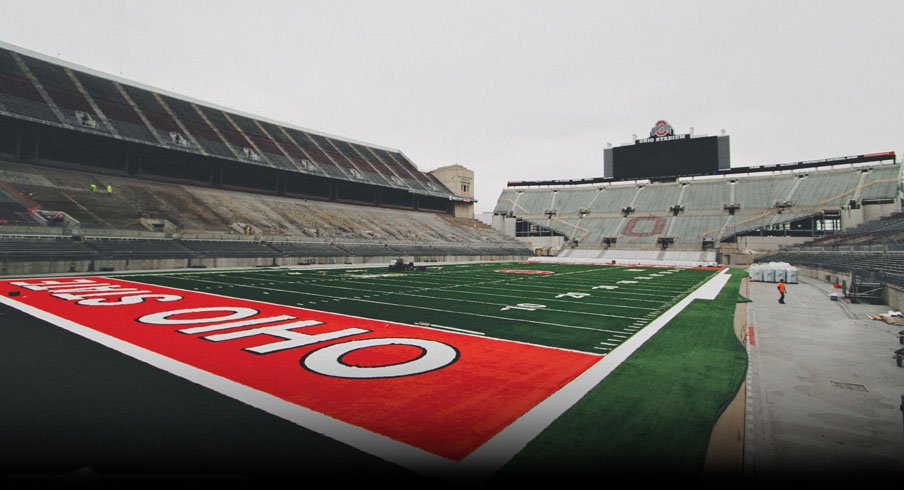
(894,296)
(821,274)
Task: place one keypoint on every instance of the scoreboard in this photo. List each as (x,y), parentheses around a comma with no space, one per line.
(665,154)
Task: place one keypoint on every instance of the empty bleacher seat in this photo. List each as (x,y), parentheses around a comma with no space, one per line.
(44,249)
(229,248)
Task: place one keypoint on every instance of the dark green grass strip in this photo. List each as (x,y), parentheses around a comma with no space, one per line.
(653,415)
(74,409)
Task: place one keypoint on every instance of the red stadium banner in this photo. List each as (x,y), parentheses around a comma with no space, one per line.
(372,384)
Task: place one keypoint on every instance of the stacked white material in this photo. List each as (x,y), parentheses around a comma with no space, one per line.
(773,272)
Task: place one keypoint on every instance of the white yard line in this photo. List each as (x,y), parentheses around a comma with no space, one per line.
(416,307)
(472,332)
(446,288)
(622,290)
(405,293)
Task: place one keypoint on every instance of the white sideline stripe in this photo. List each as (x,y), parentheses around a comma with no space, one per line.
(496,452)
(712,287)
(473,332)
(370,442)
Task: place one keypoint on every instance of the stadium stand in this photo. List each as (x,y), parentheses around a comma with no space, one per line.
(12,211)
(229,248)
(137,248)
(887,230)
(891,262)
(874,249)
(192,209)
(144,219)
(656,198)
(94,168)
(367,250)
(19,94)
(314,249)
(36,89)
(694,213)
(50,248)
(417,250)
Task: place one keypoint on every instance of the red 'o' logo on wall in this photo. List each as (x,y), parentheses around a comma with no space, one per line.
(644,226)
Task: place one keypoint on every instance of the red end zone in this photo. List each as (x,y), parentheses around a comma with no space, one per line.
(443,392)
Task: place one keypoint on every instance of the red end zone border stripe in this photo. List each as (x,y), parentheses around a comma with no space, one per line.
(419,397)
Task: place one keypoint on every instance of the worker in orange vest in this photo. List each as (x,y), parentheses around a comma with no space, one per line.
(781,291)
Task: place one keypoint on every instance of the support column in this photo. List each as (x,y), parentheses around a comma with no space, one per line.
(18,144)
(216,175)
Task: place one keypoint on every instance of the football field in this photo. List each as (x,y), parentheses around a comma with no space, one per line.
(455,370)
(586,308)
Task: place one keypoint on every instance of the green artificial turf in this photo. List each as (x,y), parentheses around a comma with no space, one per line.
(473,297)
(653,415)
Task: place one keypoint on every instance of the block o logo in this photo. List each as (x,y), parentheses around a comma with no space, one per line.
(661,129)
(644,226)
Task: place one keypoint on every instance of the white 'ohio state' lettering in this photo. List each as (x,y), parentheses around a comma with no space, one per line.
(241,323)
(293,339)
(129,300)
(89,288)
(163,318)
(285,331)
(45,285)
(328,360)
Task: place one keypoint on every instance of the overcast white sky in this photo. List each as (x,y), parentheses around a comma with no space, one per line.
(515,90)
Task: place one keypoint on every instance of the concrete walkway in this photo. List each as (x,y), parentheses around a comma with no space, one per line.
(824,391)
